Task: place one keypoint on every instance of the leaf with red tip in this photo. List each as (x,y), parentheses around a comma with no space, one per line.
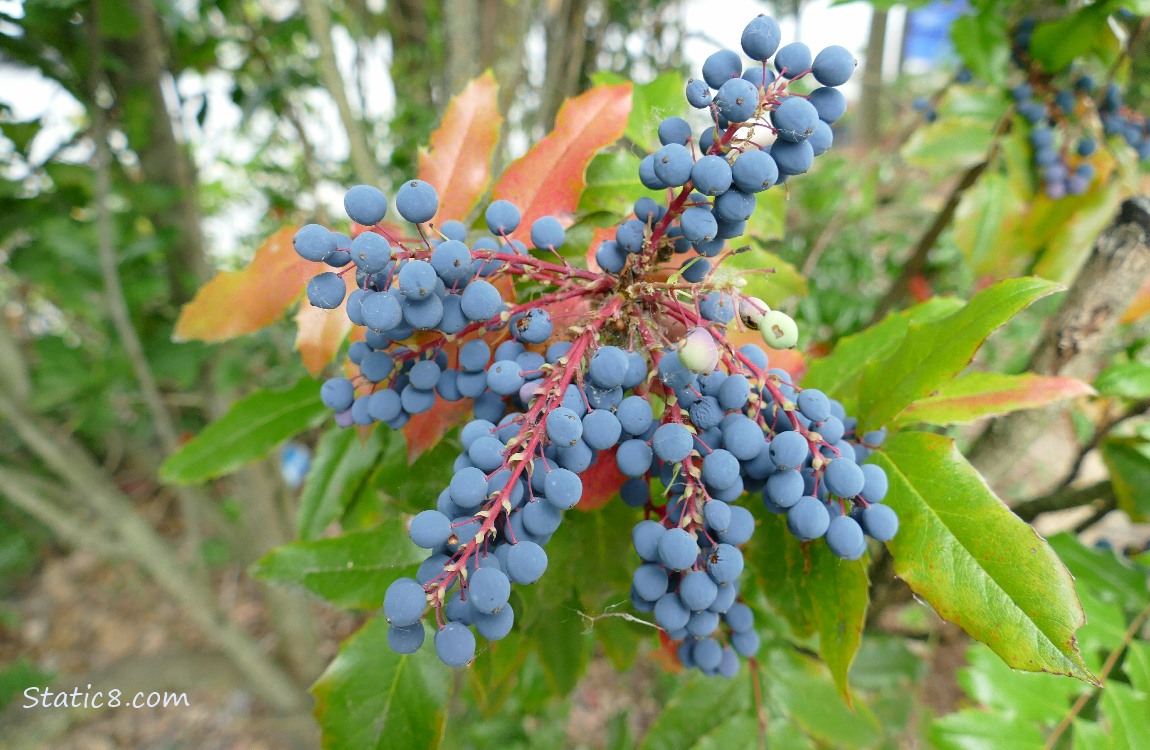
(319,332)
(601,482)
(235,303)
(458,160)
(985,394)
(549,178)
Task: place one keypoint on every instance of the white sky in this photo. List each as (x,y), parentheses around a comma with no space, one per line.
(31,96)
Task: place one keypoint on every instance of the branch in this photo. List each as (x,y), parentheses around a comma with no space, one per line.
(362,161)
(113,288)
(1064,498)
(1079,336)
(153,554)
(914,265)
(31,494)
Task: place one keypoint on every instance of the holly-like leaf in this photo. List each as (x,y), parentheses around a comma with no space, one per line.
(980,39)
(932,354)
(371,698)
(802,686)
(1055,44)
(613,184)
(458,160)
(235,303)
(678,724)
(1126,711)
(1072,223)
(351,571)
(985,394)
(601,482)
(953,143)
(975,729)
(1112,578)
(549,178)
(339,473)
(1125,380)
(985,222)
(250,429)
(838,374)
(1128,459)
(320,333)
(975,562)
(425,430)
(815,591)
(1036,698)
(648,105)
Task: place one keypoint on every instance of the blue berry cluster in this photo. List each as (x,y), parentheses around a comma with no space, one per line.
(644,376)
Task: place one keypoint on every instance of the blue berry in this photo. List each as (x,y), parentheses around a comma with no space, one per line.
(326,291)
(365,204)
(793,59)
(417,201)
(721,67)
(760,38)
(833,65)
(737,100)
(502,217)
(314,242)
(547,233)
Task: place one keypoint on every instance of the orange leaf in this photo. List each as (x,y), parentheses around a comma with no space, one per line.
(549,178)
(458,162)
(601,482)
(320,332)
(424,430)
(1140,306)
(235,303)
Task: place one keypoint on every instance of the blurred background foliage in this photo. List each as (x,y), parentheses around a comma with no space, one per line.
(146,145)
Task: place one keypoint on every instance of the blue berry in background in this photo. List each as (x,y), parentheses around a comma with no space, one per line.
(337,394)
(547,233)
(502,217)
(365,204)
(793,59)
(760,38)
(326,291)
(417,201)
(314,242)
(737,100)
(721,67)
(833,65)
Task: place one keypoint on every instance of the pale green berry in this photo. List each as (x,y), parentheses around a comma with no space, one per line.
(698,352)
(779,330)
(751,311)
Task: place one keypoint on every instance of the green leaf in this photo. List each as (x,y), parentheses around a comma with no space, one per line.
(1110,577)
(838,374)
(649,104)
(740,730)
(975,562)
(769,220)
(371,697)
(1089,735)
(980,40)
(772,288)
(984,222)
(563,643)
(815,591)
(1128,459)
(954,144)
(612,184)
(251,429)
(1127,711)
(338,474)
(802,686)
(17,676)
(1125,380)
(1136,665)
(1071,225)
(984,394)
(1057,43)
(685,717)
(351,571)
(932,354)
(1036,698)
(972,729)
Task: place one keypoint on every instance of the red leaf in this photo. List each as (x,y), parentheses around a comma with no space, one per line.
(601,482)
(984,394)
(424,430)
(235,303)
(549,178)
(458,161)
(320,332)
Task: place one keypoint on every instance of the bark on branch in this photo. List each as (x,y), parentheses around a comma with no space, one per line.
(1078,336)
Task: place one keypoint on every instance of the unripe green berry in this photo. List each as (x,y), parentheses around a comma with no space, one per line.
(699,353)
(779,330)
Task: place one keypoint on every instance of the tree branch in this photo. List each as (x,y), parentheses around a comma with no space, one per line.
(1100,493)
(362,161)
(1079,336)
(31,494)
